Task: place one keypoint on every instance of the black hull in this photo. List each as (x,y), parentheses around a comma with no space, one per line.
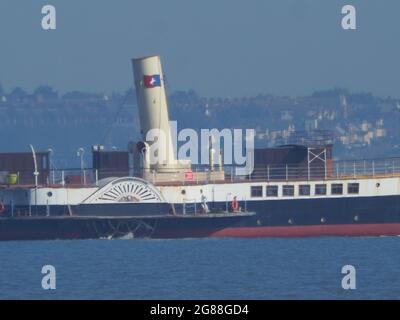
(73,227)
(346,216)
(325,211)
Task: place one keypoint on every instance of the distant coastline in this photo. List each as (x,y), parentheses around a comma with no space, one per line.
(363,125)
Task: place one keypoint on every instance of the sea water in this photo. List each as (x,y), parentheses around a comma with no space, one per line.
(309,268)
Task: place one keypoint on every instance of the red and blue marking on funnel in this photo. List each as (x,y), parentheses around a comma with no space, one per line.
(152,81)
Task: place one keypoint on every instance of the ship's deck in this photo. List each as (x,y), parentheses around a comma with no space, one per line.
(176,183)
(337,170)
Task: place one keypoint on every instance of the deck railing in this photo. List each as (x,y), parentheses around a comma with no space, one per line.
(350,169)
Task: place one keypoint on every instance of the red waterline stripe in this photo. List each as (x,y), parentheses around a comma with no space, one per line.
(388,229)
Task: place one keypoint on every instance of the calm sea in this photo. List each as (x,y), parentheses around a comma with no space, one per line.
(202,269)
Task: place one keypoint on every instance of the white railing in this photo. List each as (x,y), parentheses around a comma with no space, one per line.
(357,169)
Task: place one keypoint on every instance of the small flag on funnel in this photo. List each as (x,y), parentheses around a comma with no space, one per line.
(152,81)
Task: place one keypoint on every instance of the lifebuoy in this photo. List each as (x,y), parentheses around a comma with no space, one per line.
(2,207)
(235,204)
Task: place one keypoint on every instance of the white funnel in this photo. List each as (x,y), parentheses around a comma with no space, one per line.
(153,108)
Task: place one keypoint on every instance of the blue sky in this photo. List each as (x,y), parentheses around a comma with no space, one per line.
(218,48)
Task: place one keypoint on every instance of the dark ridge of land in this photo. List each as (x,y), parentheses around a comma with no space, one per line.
(363,125)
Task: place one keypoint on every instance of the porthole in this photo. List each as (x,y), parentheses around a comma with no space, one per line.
(290,221)
(378,185)
(259,223)
(323,220)
(183,191)
(49,194)
(356,218)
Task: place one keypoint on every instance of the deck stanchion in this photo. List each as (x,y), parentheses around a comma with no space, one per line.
(287,177)
(62,178)
(373,168)
(337,170)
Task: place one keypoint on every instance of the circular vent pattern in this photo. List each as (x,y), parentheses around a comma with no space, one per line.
(126,190)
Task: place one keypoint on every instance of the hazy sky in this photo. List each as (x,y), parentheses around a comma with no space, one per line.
(218,48)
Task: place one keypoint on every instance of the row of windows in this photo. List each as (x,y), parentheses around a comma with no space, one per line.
(304,190)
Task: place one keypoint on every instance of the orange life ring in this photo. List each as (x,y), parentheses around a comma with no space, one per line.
(235,205)
(2,207)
